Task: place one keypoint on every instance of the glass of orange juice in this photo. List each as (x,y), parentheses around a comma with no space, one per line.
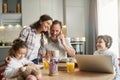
(46,62)
(70,64)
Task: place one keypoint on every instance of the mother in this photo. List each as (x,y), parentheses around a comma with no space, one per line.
(35,37)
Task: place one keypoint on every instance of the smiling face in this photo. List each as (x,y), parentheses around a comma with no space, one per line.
(20,54)
(101,45)
(45,25)
(55,31)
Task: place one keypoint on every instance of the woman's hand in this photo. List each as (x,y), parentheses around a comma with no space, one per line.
(8,59)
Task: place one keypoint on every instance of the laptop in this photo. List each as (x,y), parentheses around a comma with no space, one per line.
(95,63)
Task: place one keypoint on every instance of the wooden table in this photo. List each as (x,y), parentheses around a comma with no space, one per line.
(77,75)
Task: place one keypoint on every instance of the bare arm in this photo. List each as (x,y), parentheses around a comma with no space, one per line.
(70,50)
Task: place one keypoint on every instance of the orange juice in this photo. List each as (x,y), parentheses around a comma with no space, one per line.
(70,66)
(46,64)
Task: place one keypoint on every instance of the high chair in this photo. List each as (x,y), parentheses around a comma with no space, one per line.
(119,62)
(2,68)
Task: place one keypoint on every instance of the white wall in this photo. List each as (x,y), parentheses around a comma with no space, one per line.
(30,11)
(52,7)
(108,21)
(33,9)
(76,17)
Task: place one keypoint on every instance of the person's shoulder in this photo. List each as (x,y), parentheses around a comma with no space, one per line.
(95,52)
(27,28)
(110,52)
(12,61)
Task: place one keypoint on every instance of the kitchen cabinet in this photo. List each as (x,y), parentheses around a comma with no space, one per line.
(11,6)
(9,13)
(12,19)
(3,53)
(31,10)
(0,6)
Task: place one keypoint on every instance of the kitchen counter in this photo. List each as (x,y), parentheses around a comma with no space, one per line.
(5,46)
(79,46)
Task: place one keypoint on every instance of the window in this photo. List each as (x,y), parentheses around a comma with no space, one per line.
(108,21)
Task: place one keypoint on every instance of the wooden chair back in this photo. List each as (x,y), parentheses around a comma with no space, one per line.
(2,68)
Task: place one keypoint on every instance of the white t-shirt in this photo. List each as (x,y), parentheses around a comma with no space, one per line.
(51,46)
(13,67)
(114,61)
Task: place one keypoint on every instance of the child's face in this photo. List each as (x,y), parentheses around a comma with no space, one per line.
(21,53)
(101,44)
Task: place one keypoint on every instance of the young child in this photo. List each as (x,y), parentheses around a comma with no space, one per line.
(17,53)
(104,42)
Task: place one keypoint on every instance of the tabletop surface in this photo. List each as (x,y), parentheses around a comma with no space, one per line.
(76,75)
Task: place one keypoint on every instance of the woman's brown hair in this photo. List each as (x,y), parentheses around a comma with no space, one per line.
(37,25)
(42,18)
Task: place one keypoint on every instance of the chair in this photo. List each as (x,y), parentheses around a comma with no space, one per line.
(119,62)
(2,68)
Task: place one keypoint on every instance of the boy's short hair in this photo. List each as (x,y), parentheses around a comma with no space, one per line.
(107,39)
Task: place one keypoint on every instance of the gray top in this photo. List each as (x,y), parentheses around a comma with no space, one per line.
(115,61)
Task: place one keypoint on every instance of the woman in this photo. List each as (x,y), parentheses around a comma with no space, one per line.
(35,36)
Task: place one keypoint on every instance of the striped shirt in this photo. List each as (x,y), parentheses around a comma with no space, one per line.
(29,36)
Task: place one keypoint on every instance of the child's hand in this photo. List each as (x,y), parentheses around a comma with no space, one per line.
(22,69)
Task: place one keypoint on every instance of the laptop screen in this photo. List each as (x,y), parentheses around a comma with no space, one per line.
(95,63)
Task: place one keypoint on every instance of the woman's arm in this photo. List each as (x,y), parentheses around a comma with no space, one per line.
(7,59)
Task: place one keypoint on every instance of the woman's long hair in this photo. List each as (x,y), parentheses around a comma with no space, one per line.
(43,18)
(37,25)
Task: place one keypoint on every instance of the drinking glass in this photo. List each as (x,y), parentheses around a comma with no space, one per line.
(46,62)
(70,64)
